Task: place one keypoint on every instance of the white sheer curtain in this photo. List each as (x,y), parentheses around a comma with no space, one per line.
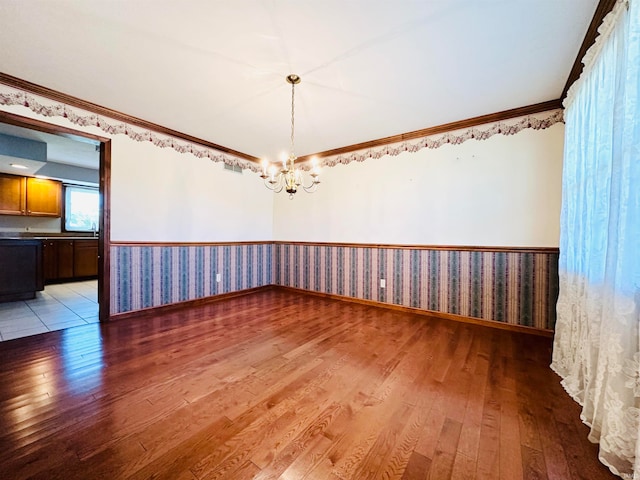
(596,346)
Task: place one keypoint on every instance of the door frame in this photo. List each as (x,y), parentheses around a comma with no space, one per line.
(104,171)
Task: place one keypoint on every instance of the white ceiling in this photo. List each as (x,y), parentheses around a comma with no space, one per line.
(370,68)
(59,149)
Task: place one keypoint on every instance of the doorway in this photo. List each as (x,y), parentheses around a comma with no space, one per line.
(102,146)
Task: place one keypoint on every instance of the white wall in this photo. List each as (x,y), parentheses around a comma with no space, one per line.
(503,191)
(10,223)
(158,194)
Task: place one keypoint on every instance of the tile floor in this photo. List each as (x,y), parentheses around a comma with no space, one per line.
(59,306)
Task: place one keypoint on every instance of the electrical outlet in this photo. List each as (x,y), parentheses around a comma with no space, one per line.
(218,277)
(383,283)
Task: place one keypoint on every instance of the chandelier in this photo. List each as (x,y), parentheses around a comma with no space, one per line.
(287,177)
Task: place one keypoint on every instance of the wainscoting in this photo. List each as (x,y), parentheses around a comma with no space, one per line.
(514,286)
(153,275)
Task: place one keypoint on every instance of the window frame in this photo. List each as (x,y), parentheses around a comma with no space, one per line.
(65,195)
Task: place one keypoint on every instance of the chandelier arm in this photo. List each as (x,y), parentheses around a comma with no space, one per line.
(275,186)
(311,188)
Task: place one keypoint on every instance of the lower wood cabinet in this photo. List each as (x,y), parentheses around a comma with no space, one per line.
(66,260)
(85,258)
(50,259)
(20,269)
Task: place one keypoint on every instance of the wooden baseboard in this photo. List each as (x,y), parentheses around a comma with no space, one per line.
(429,313)
(172,307)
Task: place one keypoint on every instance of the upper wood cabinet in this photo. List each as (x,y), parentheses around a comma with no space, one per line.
(13,191)
(30,196)
(43,197)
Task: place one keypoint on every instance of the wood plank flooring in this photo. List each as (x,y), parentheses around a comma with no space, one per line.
(277,385)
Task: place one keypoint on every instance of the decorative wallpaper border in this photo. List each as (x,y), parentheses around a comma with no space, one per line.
(113,127)
(87,119)
(151,276)
(450,138)
(518,288)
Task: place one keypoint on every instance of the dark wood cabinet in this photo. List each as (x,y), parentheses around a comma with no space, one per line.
(21,269)
(50,260)
(69,259)
(65,259)
(85,258)
(26,265)
(36,197)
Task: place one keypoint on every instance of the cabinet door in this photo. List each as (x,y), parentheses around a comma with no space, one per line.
(21,272)
(50,260)
(65,258)
(85,258)
(43,197)
(12,194)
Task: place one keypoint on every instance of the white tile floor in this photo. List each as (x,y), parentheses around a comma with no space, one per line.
(59,306)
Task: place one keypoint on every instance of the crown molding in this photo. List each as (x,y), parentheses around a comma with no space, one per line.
(440,129)
(540,121)
(602,10)
(370,149)
(72,101)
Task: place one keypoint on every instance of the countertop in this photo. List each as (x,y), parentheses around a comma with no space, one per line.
(60,238)
(48,238)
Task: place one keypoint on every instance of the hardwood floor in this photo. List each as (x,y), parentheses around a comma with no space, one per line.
(280,385)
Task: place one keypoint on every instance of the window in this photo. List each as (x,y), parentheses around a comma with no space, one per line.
(81,209)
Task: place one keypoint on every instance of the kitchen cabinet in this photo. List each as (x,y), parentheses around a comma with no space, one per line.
(21,273)
(50,260)
(68,259)
(43,197)
(29,196)
(85,258)
(12,195)
(65,259)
